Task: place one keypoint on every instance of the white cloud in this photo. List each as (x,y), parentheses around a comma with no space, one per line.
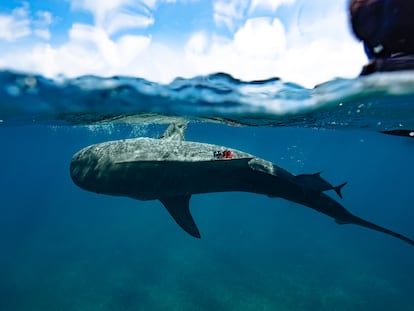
(260,38)
(116,15)
(229,12)
(127,20)
(43,33)
(310,51)
(99,8)
(250,54)
(320,45)
(104,55)
(42,23)
(198,43)
(19,24)
(44,19)
(16,25)
(271,5)
(89,51)
(226,12)
(262,48)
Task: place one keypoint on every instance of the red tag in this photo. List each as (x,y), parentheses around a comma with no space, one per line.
(226,154)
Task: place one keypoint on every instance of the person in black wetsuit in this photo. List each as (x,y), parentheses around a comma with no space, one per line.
(386,28)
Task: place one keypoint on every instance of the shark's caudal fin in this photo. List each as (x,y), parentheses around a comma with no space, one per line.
(362,222)
(179,209)
(367,224)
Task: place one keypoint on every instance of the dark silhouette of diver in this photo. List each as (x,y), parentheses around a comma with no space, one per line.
(386,28)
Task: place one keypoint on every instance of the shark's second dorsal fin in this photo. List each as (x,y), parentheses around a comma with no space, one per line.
(175,131)
(179,209)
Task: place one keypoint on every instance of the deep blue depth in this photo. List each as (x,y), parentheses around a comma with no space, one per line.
(66,249)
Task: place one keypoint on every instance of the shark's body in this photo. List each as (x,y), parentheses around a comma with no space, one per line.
(171,170)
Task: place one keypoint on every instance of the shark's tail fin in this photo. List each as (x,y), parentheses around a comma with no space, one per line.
(339,188)
(387,231)
(362,222)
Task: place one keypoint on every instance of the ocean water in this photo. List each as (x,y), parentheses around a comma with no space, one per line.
(63,248)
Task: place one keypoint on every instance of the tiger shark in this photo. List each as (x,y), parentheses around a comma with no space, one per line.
(171,170)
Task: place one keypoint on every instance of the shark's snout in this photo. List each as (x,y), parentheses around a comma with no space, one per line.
(82,168)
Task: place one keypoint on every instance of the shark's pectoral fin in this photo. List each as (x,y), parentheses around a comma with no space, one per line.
(179,209)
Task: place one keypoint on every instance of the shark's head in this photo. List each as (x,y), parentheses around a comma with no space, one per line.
(83,169)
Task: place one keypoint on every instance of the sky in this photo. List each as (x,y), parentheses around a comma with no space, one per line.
(300,41)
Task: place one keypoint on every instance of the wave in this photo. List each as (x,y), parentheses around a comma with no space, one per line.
(382,102)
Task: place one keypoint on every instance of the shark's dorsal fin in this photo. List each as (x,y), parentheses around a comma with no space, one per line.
(179,209)
(175,131)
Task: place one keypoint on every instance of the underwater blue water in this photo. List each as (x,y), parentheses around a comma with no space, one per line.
(63,248)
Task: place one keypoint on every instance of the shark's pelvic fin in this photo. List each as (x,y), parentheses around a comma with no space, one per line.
(175,131)
(179,209)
